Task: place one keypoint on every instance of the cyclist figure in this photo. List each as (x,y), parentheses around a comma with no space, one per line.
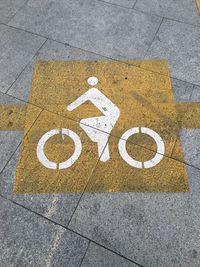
(101,126)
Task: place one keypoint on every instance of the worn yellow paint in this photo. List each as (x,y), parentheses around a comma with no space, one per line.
(198,5)
(189,118)
(158,66)
(13,117)
(145,99)
(188,115)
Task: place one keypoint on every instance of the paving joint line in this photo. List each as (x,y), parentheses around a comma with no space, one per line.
(66,228)
(134,4)
(85,50)
(171,77)
(98,54)
(84,188)
(120,6)
(112,4)
(111,135)
(182,22)
(89,242)
(153,39)
(27,65)
(159,16)
(190,97)
(21,142)
(20,8)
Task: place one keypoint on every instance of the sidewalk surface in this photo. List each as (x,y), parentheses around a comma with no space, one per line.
(99,229)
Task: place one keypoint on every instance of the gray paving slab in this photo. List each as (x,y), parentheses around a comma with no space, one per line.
(93,25)
(100,257)
(8,9)
(17,48)
(11,138)
(152,229)
(190,140)
(196,94)
(56,207)
(50,51)
(182,90)
(29,240)
(125,3)
(184,10)
(180,44)
(9,141)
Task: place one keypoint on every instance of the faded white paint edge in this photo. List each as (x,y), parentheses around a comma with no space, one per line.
(65,164)
(135,163)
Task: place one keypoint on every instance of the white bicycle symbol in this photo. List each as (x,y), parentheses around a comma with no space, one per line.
(98,129)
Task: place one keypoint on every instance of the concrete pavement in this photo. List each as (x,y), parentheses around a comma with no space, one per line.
(98,229)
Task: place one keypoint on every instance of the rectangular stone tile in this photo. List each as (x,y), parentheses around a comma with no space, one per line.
(111,30)
(9,142)
(152,229)
(29,240)
(50,51)
(182,90)
(189,135)
(180,44)
(196,94)
(125,3)
(100,257)
(183,10)
(18,47)
(8,8)
(13,114)
(190,140)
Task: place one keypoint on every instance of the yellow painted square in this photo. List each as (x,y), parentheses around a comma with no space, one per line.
(144,98)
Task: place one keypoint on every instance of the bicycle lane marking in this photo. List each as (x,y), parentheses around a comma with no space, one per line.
(145,99)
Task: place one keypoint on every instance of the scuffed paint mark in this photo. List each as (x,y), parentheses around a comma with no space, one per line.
(51,210)
(54,247)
